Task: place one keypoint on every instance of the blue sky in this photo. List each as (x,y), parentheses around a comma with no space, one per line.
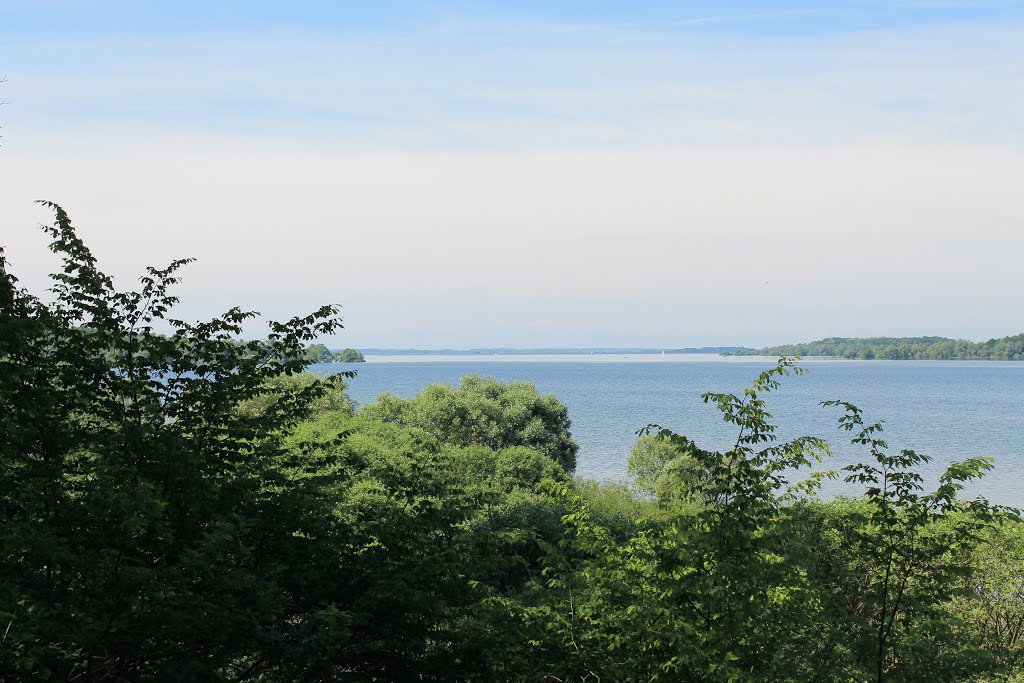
(535,174)
(47,17)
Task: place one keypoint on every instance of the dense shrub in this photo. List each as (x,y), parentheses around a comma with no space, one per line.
(482,410)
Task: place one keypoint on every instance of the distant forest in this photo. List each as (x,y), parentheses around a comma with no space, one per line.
(902,348)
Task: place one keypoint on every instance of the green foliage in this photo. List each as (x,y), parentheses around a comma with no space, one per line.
(149,525)
(989,605)
(398,561)
(192,507)
(332,398)
(908,544)
(744,576)
(349,356)
(694,593)
(617,504)
(317,353)
(666,468)
(485,411)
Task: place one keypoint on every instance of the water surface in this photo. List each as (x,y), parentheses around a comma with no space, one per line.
(946,409)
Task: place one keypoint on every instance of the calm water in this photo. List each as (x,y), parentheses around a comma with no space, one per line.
(948,410)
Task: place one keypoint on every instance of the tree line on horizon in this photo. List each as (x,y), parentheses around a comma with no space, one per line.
(901,348)
(192,506)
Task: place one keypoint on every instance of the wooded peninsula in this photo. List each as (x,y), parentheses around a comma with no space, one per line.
(899,348)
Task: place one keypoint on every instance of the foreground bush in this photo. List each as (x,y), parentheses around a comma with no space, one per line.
(743,574)
(482,410)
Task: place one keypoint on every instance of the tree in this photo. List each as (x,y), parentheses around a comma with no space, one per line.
(990,605)
(910,546)
(712,592)
(317,353)
(664,468)
(485,411)
(333,398)
(349,356)
(150,525)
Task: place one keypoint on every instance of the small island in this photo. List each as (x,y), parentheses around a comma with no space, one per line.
(318,353)
(349,356)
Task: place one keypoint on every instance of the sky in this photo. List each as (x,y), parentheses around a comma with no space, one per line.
(533,174)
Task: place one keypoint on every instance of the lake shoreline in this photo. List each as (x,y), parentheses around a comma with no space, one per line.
(656,358)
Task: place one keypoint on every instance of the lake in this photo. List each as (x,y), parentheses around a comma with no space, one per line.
(948,410)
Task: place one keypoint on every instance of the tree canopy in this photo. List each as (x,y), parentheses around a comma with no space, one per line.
(483,410)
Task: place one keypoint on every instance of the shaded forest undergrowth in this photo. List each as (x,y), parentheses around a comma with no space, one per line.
(187,505)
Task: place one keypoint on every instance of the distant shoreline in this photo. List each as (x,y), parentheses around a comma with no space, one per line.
(835,348)
(1009,348)
(483,360)
(503,351)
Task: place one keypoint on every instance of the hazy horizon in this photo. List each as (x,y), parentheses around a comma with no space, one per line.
(462,175)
